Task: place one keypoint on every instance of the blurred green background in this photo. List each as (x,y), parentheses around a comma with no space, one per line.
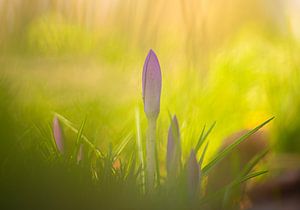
(235,62)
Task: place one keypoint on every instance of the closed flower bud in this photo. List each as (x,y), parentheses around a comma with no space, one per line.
(173,161)
(58,136)
(151,85)
(193,174)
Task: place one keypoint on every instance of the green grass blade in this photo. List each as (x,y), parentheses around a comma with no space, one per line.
(228,187)
(79,138)
(253,162)
(80,132)
(131,166)
(242,178)
(203,155)
(203,137)
(157,168)
(200,141)
(140,147)
(228,149)
(122,145)
(249,176)
(69,124)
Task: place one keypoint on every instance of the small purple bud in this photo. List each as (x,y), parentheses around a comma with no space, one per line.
(80,154)
(173,161)
(58,136)
(151,85)
(193,174)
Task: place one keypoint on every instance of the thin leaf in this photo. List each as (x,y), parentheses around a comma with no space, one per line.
(243,177)
(140,147)
(80,132)
(79,138)
(232,146)
(203,137)
(131,166)
(122,145)
(250,176)
(157,168)
(234,183)
(69,124)
(253,162)
(203,154)
(200,140)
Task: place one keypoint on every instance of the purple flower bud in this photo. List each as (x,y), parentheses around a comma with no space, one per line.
(80,154)
(173,161)
(58,136)
(193,174)
(151,85)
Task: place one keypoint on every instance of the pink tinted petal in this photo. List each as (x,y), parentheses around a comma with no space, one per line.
(58,136)
(151,85)
(193,174)
(173,148)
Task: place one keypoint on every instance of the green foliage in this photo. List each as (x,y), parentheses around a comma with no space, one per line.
(39,165)
(102,179)
(229,148)
(54,35)
(85,72)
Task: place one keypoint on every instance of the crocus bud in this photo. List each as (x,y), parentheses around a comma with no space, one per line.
(58,136)
(151,85)
(173,161)
(193,174)
(80,154)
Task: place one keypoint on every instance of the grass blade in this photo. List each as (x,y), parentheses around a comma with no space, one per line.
(203,155)
(140,147)
(250,176)
(229,148)
(253,162)
(157,168)
(122,145)
(80,132)
(231,185)
(203,137)
(79,138)
(69,124)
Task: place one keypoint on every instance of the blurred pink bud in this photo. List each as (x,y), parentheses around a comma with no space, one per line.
(173,148)
(151,85)
(80,154)
(193,174)
(58,136)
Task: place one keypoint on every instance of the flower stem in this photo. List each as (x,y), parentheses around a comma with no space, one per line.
(151,153)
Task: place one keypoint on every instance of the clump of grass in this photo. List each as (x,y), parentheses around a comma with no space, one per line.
(81,176)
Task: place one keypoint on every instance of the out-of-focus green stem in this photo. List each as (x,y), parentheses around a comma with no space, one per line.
(150,153)
(140,148)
